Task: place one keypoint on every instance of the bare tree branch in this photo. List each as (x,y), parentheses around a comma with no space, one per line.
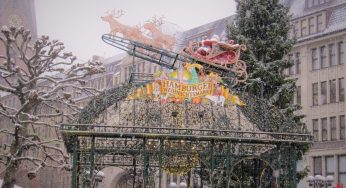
(43,78)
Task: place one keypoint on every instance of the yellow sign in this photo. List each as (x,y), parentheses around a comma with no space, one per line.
(182,90)
(186,84)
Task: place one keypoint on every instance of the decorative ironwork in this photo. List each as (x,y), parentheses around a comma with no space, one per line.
(201,140)
(223,145)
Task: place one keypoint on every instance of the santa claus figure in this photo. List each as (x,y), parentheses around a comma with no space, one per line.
(207,45)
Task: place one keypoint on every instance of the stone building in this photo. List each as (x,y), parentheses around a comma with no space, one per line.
(319,55)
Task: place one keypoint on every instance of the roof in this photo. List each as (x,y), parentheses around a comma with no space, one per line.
(15,186)
(298,7)
(336,23)
(116,58)
(217,27)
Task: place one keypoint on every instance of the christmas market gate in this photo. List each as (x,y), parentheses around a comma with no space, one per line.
(205,141)
(142,151)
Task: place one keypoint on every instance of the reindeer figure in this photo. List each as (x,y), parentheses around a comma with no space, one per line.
(164,40)
(115,26)
(130,32)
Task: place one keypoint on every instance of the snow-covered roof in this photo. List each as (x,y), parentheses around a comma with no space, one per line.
(217,27)
(336,23)
(116,58)
(298,7)
(15,186)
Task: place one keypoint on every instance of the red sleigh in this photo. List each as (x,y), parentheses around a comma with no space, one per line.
(221,54)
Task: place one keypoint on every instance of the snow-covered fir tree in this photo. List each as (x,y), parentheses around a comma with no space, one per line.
(263,26)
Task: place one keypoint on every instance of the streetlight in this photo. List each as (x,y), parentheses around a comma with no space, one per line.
(98,177)
(174,185)
(183,185)
(320,181)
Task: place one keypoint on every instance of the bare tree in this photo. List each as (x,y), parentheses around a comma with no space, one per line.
(43,79)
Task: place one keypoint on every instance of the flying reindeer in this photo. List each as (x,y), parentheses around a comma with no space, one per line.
(153,25)
(130,32)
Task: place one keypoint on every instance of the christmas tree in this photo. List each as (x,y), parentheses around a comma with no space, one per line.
(194,76)
(263,26)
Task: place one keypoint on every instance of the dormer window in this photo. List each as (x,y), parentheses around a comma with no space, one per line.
(309,3)
(312,25)
(319,23)
(313,3)
(303,27)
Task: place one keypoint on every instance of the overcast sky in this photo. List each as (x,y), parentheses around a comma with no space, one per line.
(77,23)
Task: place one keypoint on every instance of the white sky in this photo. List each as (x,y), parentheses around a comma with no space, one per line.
(77,23)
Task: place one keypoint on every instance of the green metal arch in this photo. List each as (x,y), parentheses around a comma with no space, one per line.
(101,102)
(265,116)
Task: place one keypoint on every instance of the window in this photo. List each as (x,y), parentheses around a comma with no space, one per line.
(323,92)
(291,68)
(342,169)
(319,23)
(102,84)
(126,74)
(143,66)
(332,60)
(330,168)
(311,25)
(315,129)
(138,68)
(342,127)
(303,28)
(332,91)
(299,95)
(317,165)
(309,3)
(341,53)
(323,57)
(333,128)
(341,90)
(295,28)
(314,94)
(297,63)
(314,59)
(324,129)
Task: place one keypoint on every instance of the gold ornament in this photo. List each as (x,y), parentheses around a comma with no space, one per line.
(14,20)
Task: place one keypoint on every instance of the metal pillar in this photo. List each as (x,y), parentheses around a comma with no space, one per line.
(74,162)
(228,160)
(293,167)
(91,158)
(212,166)
(134,173)
(160,161)
(145,163)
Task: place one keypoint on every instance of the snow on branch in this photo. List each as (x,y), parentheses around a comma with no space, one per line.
(43,79)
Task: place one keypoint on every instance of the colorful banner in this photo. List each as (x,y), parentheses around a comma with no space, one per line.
(182,90)
(186,83)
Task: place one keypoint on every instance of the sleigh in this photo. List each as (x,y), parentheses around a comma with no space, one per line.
(223,55)
(220,53)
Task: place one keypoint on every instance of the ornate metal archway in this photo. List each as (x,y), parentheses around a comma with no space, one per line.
(148,147)
(148,138)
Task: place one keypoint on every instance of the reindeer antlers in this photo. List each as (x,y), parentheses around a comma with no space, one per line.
(115,14)
(156,21)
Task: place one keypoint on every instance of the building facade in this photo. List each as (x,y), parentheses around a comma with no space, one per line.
(319,27)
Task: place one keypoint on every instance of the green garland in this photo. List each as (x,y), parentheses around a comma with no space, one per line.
(101,102)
